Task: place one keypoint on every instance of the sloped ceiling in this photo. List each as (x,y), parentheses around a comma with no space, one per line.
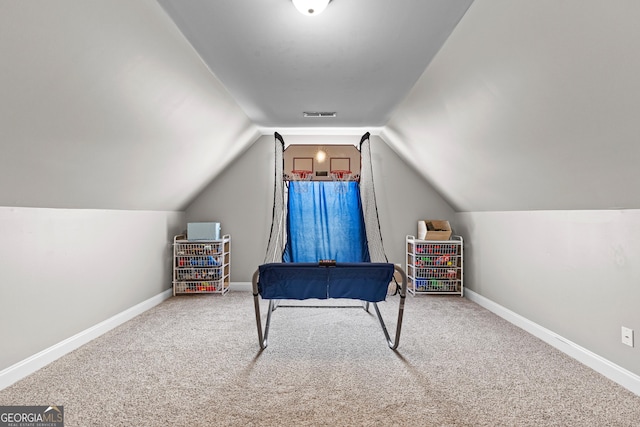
(525,105)
(530,105)
(104,104)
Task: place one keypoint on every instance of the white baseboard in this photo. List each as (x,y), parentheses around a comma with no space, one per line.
(31,364)
(625,378)
(240,286)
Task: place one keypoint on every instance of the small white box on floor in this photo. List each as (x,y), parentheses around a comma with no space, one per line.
(203,231)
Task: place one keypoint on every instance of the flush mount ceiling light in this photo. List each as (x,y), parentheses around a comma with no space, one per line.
(311,7)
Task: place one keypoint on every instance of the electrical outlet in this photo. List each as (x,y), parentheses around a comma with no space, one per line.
(627,336)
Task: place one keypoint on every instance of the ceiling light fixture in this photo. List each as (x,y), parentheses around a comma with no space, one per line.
(311,7)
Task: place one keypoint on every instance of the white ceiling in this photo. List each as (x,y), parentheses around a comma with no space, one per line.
(359,58)
(499,104)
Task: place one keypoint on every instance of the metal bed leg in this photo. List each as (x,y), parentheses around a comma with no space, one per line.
(393,344)
(262,337)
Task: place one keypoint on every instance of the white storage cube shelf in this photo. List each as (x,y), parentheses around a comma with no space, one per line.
(435,266)
(201,266)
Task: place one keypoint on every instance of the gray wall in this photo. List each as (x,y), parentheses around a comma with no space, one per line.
(534,104)
(63,271)
(241,198)
(572,272)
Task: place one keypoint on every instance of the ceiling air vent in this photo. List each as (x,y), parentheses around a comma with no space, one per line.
(319,114)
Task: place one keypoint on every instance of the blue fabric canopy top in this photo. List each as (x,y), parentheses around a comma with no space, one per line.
(361,281)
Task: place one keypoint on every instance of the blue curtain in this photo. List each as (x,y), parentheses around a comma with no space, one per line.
(325,221)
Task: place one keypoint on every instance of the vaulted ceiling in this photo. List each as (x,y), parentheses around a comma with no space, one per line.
(499,104)
(358,58)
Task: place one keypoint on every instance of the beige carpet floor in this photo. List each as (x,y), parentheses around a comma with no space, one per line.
(195,361)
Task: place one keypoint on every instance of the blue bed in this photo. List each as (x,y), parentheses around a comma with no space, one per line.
(365,281)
